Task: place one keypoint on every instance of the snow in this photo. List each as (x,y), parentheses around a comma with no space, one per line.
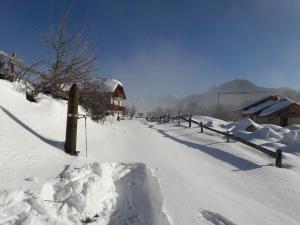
(291,137)
(107,194)
(259,107)
(283,103)
(138,172)
(250,103)
(268,135)
(244,125)
(112,84)
(293,127)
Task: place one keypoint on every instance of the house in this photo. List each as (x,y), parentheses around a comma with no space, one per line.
(271,109)
(284,112)
(253,107)
(116,93)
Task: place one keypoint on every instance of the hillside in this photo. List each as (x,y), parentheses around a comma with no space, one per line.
(136,172)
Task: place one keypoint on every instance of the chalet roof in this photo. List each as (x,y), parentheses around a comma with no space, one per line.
(256,109)
(277,106)
(255,102)
(112,84)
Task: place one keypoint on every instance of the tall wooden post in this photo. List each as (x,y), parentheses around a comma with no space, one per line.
(71,130)
(168,118)
(190,121)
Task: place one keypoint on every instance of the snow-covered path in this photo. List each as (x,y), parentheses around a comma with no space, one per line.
(201,172)
(202,179)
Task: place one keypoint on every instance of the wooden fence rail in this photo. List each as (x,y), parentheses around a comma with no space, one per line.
(188,118)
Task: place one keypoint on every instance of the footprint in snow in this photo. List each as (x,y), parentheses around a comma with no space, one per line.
(214,218)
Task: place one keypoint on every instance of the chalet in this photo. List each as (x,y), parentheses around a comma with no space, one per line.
(271,110)
(116,93)
(253,107)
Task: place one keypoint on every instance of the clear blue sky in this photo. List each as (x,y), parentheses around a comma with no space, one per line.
(161,47)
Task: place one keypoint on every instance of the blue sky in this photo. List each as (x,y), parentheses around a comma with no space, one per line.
(162,47)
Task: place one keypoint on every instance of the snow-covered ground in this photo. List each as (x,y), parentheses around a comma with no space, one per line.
(135,173)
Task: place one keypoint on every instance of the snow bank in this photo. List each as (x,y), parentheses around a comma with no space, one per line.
(265,133)
(291,137)
(77,194)
(245,125)
(105,194)
(293,127)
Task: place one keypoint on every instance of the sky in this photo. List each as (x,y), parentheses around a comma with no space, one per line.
(170,47)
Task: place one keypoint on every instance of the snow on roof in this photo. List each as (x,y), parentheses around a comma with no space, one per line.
(112,84)
(281,104)
(259,107)
(250,103)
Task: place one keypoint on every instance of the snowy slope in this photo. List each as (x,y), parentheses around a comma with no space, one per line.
(33,188)
(147,173)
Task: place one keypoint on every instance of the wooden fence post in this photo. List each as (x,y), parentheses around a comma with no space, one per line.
(201,126)
(179,117)
(190,121)
(164,118)
(71,130)
(160,119)
(168,118)
(278,162)
(227,136)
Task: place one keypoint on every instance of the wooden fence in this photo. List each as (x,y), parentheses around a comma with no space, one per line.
(189,119)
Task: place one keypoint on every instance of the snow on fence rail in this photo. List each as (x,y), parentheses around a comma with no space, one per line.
(188,118)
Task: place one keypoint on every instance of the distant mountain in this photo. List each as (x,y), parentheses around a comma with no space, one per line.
(238,85)
(210,97)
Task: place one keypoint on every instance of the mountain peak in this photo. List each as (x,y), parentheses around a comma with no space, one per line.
(239,85)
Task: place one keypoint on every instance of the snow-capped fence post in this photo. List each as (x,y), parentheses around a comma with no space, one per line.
(190,121)
(278,162)
(71,130)
(201,126)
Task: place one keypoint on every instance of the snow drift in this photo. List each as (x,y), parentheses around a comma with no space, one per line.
(103,194)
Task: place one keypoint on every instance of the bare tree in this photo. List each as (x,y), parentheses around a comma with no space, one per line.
(2,63)
(95,98)
(70,59)
(132,111)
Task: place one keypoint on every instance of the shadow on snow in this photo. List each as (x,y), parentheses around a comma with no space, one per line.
(236,161)
(56,144)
